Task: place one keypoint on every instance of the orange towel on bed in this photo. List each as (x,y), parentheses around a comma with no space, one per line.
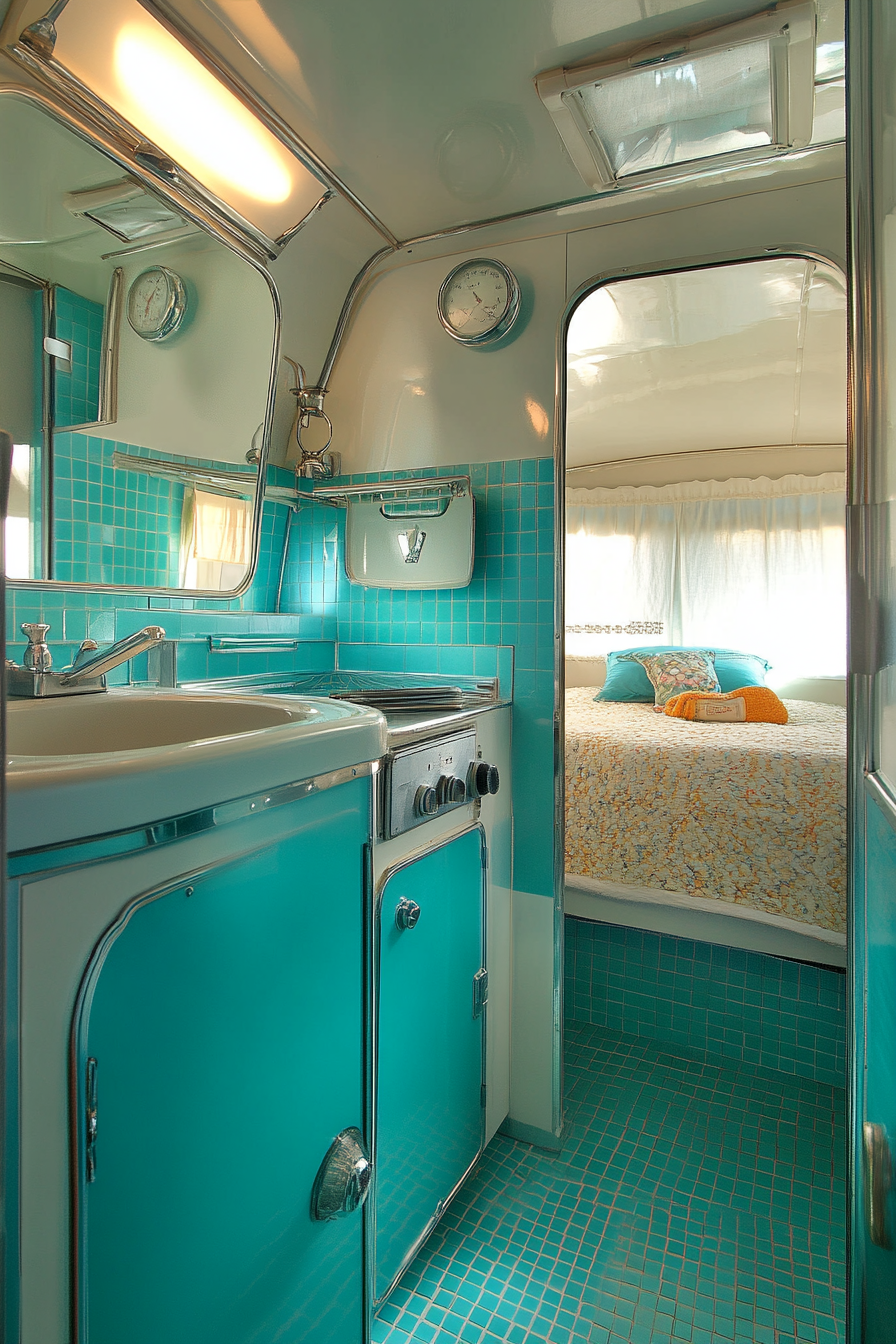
(760,703)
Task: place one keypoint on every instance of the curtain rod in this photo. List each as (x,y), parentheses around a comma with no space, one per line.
(702,452)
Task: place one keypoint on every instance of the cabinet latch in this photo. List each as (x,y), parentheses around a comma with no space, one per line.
(90,1121)
(480,991)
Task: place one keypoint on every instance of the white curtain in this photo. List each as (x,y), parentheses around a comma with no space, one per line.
(756,565)
(216,541)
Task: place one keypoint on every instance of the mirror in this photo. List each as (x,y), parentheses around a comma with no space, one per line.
(136,363)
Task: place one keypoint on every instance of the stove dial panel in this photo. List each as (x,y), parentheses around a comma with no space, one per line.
(427,779)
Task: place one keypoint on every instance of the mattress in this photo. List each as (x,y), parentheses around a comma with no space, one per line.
(750,813)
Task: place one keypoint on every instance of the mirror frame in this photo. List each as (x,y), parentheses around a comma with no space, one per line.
(94,134)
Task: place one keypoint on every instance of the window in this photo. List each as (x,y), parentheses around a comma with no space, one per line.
(757,565)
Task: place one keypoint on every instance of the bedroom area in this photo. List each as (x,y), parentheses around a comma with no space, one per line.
(705,763)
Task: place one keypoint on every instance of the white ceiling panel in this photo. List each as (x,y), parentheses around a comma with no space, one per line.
(428,112)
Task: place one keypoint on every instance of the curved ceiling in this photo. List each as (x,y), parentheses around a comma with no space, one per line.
(428,112)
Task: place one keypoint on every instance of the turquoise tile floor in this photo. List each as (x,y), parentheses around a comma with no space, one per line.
(696,1200)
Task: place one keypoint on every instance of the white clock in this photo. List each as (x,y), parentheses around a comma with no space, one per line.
(479,301)
(157,303)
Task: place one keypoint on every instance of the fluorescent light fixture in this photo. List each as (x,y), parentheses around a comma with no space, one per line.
(747,86)
(125,209)
(118,51)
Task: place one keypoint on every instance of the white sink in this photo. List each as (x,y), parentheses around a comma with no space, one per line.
(86,765)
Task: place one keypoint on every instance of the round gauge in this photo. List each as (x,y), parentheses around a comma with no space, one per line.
(157,303)
(479,301)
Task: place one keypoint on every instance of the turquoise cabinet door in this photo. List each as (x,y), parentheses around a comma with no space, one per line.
(429,1045)
(225,1019)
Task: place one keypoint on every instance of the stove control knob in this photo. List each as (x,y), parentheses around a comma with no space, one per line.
(484,779)
(450,789)
(426,802)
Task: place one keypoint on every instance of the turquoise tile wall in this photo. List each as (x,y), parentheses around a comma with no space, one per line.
(763,1010)
(79,321)
(509,602)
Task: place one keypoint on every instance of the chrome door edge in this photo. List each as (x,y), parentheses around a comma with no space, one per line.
(184,826)
(427,1231)
(875,788)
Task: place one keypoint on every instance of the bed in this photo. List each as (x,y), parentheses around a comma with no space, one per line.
(750,814)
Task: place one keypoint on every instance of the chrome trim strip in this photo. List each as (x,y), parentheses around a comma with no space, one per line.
(347,311)
(222,70)
(116,844)
(413,856)
(79,119)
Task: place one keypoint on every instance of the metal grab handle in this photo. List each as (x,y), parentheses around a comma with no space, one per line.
(343,1181)
(877,1172)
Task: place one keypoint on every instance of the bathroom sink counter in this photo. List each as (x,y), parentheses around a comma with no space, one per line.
(90,765)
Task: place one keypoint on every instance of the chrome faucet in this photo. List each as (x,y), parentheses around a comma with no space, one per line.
(35,679)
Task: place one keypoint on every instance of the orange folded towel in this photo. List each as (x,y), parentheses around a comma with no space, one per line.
(758,704)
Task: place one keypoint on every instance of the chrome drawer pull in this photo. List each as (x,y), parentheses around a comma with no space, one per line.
(343,1181)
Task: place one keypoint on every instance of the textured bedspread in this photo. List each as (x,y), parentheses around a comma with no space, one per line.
(753,813)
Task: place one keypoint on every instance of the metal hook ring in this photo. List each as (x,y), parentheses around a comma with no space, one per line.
(317,452)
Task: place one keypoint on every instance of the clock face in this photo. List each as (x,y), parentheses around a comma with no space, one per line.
(157,303)
(479,301)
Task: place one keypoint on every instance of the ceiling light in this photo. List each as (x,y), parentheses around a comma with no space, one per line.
(747,86)
(129,60)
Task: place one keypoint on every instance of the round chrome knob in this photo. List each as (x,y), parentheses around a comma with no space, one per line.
(406,913)
(485,779)
(426,802)
(450,789)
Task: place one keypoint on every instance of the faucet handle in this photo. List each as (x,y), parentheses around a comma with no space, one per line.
(37,654)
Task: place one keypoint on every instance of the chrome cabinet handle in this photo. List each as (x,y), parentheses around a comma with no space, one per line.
(343,1181)
(406,913)
(877,1172)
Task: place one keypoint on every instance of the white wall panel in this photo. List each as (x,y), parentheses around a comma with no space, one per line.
(404,394)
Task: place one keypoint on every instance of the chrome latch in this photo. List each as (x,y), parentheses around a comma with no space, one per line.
(480,991)
(406,914)
(343,1181)
(90,1122)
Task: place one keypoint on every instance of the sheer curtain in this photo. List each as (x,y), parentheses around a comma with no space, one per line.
(756,565)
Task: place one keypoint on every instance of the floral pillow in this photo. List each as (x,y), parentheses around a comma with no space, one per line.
(672,673)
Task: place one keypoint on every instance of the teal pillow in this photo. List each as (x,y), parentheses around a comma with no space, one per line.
(628,682)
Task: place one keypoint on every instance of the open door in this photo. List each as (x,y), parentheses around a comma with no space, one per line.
(872,541)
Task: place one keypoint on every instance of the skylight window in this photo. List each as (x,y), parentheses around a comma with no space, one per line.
(748,86)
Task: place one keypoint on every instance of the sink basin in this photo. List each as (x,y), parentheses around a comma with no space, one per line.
(88,765)
(82,726)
